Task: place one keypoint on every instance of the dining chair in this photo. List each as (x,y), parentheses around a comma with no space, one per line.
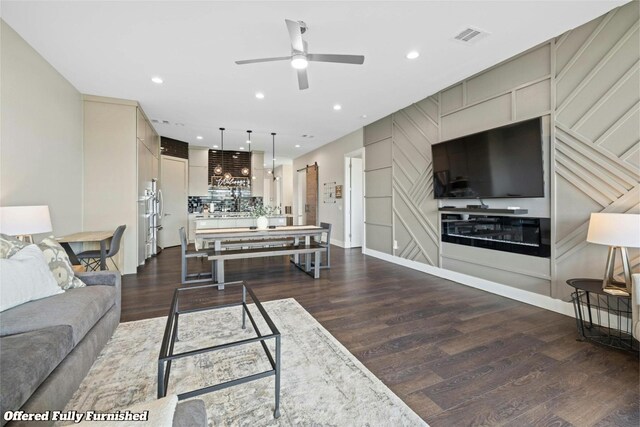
(91,259)
(190,278)
(326,243)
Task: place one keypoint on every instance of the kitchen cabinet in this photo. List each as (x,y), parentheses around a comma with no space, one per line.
(146,134)
(198,171)
(198,181)
(199,156)
(121,152)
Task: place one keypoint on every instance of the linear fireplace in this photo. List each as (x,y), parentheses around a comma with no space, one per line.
(527,236)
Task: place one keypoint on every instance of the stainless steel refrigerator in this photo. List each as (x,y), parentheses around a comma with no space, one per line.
(153,213)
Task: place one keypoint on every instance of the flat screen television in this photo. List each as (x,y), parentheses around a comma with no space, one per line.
(498,163)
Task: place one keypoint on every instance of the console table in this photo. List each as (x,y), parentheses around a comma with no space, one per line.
(601,317)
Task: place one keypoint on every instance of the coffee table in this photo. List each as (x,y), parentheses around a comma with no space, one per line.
(167,354)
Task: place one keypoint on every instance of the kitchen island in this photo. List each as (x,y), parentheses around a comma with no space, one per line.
(199,221)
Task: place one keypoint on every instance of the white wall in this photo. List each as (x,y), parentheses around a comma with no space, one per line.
(330,159)
(40,135)
(285,173)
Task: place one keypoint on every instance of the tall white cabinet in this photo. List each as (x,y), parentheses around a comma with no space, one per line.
(198,171)
(121,157)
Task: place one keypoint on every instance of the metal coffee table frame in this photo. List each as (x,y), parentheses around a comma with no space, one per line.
(171,333)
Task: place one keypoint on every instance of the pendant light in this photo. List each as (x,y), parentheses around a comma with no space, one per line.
(273,159)
(218,169)
(245,170)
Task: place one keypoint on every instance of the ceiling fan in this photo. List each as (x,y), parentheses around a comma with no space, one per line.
(300,57)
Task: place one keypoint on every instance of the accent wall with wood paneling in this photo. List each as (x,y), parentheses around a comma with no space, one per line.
(585,86)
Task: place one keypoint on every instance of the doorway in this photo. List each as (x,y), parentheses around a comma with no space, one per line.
(301,197)
(354,199)
(307,195)
(174,181)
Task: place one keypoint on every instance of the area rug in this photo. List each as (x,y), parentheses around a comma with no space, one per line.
(322,383)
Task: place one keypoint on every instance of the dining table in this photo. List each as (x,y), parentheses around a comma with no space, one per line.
(218,238)
(99,237)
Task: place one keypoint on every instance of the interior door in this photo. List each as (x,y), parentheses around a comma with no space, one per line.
(357,203)
(301,197)
(174,181)
(311,206)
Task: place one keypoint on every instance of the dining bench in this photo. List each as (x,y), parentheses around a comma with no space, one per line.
(262,252)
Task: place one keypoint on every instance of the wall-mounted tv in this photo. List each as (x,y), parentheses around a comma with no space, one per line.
(498,163)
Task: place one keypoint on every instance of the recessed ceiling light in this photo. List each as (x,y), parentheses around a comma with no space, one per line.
(156,80)
(297,145)
(413,54)
(198,137)
(337,107)
(259,95)
(364,116)
(242,148)
(215,146)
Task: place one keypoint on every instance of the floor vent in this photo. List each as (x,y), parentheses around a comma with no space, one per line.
(470,35)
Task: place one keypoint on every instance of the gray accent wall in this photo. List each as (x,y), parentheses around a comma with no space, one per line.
(585,86)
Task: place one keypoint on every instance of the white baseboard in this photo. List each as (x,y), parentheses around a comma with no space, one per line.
(527,297)
(337,242)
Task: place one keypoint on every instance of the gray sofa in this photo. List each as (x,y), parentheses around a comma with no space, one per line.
(47,347)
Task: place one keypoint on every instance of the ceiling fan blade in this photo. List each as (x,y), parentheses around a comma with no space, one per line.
(342,59)
(253,61)
(303,81)
(295,34)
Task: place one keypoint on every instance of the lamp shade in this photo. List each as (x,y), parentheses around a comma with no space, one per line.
(613,229)
(24,220)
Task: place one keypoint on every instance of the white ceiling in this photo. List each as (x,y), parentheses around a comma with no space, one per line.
(114,48)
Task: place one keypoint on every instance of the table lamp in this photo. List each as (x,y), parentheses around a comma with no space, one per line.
(24,221)
(619,232)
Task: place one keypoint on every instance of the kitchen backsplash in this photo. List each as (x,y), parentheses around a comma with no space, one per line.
(220,203)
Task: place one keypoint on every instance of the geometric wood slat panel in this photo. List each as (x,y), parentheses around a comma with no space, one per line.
(415,211)
(596,110)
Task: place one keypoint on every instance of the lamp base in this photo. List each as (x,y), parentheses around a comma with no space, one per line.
(610,285)
(27,238)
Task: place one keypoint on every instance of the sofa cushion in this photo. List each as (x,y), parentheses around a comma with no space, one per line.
(27,359)
(25,277)
(79,308)
(59,264)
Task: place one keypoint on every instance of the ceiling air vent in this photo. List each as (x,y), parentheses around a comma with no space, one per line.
(470,35)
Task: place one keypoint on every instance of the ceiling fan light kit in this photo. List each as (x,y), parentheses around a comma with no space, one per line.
(300,58)
(299,61)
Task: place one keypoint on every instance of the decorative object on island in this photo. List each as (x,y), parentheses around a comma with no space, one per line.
(619,232)
(25,221)
(261,212)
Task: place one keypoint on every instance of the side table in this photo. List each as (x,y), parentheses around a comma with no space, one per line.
(601,317)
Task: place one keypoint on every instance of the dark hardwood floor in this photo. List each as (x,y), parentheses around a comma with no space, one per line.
(456,355)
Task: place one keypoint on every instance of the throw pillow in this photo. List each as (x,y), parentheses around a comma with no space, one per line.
(25,277)
(161,413)
(9,246)
(59,264)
